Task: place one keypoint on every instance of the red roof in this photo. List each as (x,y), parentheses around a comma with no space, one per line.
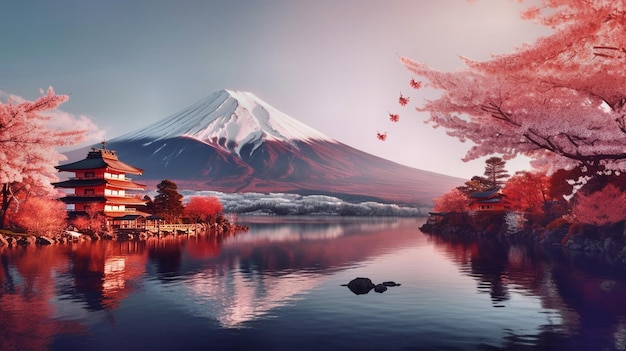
(75,199)
(115,183)
(100,158)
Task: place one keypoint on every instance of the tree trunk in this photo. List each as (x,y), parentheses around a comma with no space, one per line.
(6,200)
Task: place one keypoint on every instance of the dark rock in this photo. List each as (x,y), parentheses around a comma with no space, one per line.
(44,240)
(553,236)
(360,286)
(390,283)
(380,288)
(576,242)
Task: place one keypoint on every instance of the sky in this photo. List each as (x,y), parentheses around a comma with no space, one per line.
(332,64)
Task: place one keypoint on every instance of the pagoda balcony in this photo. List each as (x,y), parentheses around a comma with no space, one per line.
(129,179)
(102,195)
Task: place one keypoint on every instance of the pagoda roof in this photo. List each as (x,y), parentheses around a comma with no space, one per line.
(485,194)
(76,199)
(130,217)
(100,158)
(125,216)
(80,182)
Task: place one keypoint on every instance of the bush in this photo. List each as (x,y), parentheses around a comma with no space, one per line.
(558,223)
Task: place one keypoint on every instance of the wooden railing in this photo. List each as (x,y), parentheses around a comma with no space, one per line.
(173,227)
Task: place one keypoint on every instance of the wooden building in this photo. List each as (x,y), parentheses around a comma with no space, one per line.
(489,200)
(100,185)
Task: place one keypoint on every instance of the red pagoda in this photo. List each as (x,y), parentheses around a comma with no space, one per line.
(100,184)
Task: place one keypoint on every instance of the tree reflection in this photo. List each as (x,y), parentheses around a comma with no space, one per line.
(590,299)
(26,315)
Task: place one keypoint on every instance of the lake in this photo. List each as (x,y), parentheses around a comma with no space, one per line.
(279,287)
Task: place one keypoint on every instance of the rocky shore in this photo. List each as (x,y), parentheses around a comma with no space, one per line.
(607,243)
(74,236)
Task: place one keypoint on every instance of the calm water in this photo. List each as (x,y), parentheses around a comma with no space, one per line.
(278,287)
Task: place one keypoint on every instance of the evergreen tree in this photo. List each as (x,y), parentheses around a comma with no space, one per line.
(476,184)
(495,173)
(168,203)
(149,206)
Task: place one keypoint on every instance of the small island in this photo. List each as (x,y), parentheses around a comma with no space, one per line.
(567,210)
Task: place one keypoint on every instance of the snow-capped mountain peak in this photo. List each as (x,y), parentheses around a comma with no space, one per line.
(229,120)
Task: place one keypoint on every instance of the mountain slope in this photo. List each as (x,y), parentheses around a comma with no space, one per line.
(235,142)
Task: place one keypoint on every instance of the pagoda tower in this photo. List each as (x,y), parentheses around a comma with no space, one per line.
(100,184)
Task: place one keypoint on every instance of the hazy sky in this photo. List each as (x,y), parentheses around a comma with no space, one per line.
(331,64)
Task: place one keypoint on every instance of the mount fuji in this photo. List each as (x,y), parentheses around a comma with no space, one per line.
(232,141)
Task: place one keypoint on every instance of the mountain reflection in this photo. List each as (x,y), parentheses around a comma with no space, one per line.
(276,263)
(231,279)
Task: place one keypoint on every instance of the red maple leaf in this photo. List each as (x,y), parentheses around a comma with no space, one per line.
(403,100)
(416,84)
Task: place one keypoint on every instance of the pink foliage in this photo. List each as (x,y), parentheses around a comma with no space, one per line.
(560,101)
(27,146)
(603,207)
(527,192)
(203,208)
(41,216)
(452,201)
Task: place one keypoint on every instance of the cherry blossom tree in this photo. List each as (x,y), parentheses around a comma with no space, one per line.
(41,216)
(527,192)
(27,147)
(603,207)
(452,201)
(202,208)
(560,101)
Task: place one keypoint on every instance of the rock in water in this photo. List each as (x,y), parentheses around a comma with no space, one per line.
(391,284)
(360,286)
(380,288)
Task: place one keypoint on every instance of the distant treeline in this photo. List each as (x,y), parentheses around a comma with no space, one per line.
(294,204)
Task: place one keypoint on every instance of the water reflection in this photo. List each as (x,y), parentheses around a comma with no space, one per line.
(590,299)
(277,263)
(282,279)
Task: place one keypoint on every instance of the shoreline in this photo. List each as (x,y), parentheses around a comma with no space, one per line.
(586,242)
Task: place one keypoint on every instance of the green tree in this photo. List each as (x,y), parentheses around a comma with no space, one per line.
(495,172)
(168,203)
(473,185)
(495,175)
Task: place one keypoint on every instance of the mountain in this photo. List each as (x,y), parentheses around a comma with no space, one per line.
(232,141)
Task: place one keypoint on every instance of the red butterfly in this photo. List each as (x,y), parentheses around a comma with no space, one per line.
(381,136)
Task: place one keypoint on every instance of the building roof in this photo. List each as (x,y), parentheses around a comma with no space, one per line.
(130,217)
(74,199)
(119,215)
(485,194)
(100,158)
(116,183)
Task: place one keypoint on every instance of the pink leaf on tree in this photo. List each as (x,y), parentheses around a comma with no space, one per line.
(28,147)
(560,101)
(602,207)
